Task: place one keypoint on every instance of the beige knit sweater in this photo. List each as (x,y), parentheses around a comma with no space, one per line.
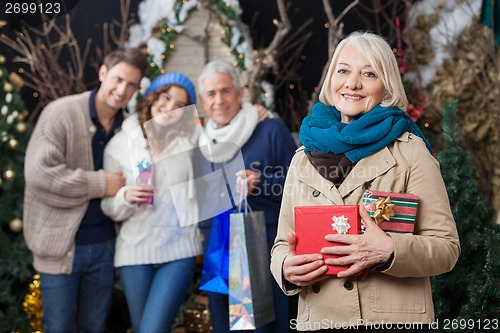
(60,181)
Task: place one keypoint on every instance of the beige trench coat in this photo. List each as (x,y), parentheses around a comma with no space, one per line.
(401,293)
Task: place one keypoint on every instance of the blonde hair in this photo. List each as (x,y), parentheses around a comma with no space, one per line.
(381,58)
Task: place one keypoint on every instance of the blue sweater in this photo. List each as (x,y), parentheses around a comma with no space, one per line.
(269,152)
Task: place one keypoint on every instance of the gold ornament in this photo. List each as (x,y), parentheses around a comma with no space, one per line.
(16,225)
(32,304)
(16,80)
(13,144)
(23,115)
(21,127)
(383,209)
(7,87)
(9,174)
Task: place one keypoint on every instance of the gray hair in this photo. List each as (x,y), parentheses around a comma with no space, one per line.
(218,67)
(379,54)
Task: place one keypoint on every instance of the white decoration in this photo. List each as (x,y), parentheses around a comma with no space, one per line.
(341,224)
(4,110)
(150,13)
(268,95)
(156,48)
(8,97)
(454,16)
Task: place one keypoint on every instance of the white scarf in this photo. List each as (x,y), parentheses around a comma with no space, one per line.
(235,135)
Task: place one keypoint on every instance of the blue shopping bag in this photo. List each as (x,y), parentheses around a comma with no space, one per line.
(215,272)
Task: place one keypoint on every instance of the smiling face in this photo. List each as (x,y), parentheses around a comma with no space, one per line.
(221,99)
(118,84)
(356,87)
(167,108)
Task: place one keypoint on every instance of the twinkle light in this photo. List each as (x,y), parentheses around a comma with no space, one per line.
(163,56)
(228,4)
(291,86)
(35,94)
(235,64)
(240,56)
(171,45)
(169,29)
(326,25)
(257,60)
(20,70)
(152,64)
(148,49)
(266,94)
(222,31)
(42,46)
(426,125)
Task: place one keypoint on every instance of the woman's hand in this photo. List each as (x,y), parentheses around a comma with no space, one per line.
(263,113)
(138,194)
(361,251)
(304,269)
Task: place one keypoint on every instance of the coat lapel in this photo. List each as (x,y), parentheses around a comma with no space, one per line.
(311,177)
(365,170)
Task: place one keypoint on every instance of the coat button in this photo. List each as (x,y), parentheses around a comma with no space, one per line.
(348,285)
(316,288)
(316,193)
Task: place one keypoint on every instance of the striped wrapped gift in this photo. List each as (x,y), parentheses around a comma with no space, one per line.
(394,212)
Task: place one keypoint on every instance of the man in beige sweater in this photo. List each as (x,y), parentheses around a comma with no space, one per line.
(71,239)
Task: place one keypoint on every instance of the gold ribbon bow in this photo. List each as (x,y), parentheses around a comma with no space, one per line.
(383,209)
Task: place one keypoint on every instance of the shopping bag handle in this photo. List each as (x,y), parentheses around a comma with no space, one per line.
(243,191)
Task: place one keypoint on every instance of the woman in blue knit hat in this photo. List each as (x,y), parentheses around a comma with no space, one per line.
(158,240)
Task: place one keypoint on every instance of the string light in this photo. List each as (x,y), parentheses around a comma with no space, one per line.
(35,94)
(291,86)
(171,45)
(326,25)
(20,70)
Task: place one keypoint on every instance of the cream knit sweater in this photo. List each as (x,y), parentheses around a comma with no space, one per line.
(60,181)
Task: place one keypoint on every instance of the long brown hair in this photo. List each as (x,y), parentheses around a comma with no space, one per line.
(162,137)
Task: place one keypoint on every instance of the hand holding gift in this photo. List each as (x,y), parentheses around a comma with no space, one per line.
(303,269)
(360,252)
(143,193)
(139,194)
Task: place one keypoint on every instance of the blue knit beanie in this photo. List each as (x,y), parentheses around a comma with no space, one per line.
(173,78)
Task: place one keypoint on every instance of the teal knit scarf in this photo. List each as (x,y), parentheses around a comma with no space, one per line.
(322,131)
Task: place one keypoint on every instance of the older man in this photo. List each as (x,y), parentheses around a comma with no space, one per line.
(267,148)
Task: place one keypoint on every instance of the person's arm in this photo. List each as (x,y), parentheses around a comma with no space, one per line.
(271,177)
(46,169)
(292,271)
(434,247)
(117,207)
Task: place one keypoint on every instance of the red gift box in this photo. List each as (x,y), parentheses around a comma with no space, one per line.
(313,223)
(394,212)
